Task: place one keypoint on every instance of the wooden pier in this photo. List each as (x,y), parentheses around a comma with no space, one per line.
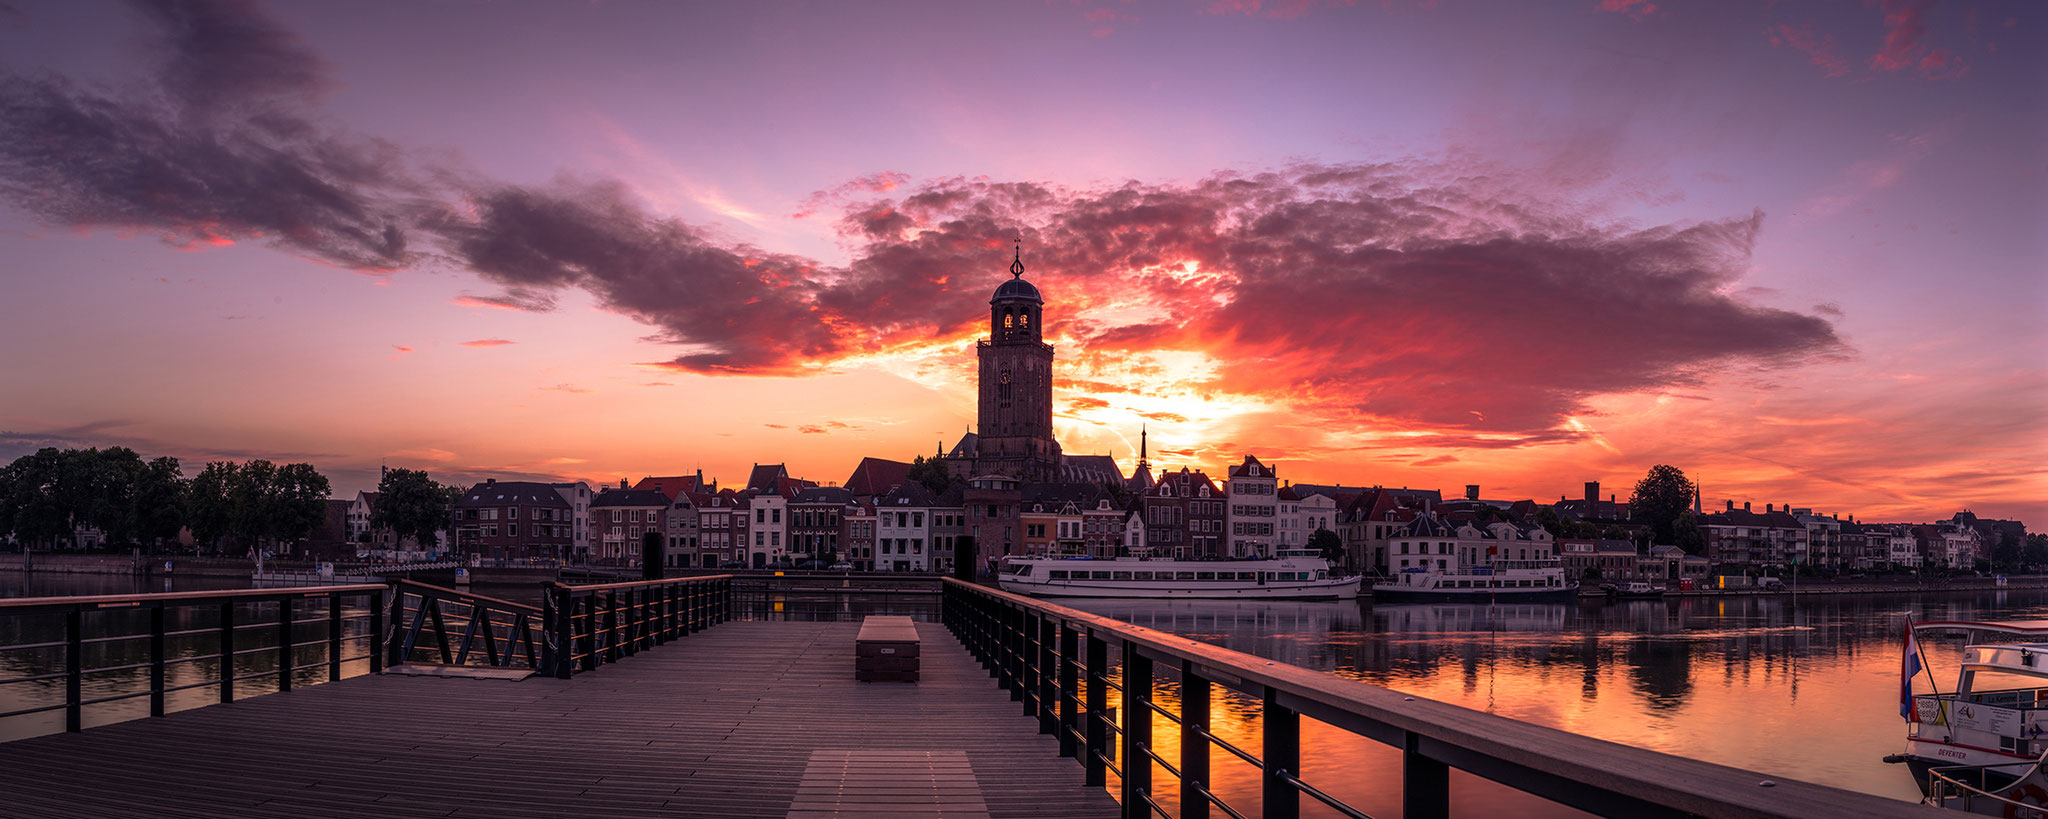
(742,719)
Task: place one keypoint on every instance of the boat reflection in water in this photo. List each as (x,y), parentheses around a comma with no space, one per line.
(1803,690)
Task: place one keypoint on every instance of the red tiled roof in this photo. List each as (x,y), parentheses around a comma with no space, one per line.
(876,476)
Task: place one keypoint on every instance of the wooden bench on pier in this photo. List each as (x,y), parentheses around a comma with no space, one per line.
(886,650)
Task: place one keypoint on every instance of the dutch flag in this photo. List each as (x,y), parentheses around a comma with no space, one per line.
(1910,667)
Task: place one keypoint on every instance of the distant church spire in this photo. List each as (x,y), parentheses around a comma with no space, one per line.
(1141,444)
(1017,267)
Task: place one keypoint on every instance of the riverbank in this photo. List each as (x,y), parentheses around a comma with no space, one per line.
(1952,584)
(239,568)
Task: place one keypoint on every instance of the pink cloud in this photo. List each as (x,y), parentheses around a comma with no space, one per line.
(517,298)
(486,342)
(1819,49)
(1635,9)
(1905,22)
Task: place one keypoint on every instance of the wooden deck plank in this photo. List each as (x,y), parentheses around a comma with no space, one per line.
(745,719)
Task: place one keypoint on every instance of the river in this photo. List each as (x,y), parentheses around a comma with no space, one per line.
(1805,690)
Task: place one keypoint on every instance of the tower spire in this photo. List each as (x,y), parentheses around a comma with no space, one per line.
(1141,444)
(1017,267)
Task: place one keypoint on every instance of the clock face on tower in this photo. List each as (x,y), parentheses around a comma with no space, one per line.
(1004,377)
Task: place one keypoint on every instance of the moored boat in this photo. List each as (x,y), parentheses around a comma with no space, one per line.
(1980,747)
(1289,575)
(1637,590)
(1510,579)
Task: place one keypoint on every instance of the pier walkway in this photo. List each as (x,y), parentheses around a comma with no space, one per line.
(741,719)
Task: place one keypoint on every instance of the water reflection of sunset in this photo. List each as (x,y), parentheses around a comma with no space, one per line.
(1801,691)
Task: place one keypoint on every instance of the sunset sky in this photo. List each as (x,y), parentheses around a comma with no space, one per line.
(1796,249)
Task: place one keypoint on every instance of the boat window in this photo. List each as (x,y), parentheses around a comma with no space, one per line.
(1322,574)
(1184,576)
(1123,575)
(1141,575)
(1059,574)
(1099,575)
(1205,575)
(1024,570)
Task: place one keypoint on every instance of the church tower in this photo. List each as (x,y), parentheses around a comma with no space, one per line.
(1015,415)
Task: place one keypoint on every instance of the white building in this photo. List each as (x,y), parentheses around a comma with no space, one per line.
(1251,496)
(1301,515)
(578,495)
(769,530)
(903,529)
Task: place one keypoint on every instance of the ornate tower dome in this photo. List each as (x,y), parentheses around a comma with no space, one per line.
(1014,310)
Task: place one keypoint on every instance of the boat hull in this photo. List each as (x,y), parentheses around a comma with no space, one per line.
(1342,589)
(1396,594)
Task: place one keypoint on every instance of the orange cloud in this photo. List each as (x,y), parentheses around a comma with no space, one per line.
(485,342)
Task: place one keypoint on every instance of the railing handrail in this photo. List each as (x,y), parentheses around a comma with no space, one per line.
(111,600)
(1463,734)
(462,596)
(634,584)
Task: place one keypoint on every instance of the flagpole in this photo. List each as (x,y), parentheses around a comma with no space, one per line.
(1933,687)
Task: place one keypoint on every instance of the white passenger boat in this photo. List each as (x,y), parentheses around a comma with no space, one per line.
(1980,747)
(1289,575)
(1503,580)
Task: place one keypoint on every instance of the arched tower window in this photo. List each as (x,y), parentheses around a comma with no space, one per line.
(1008,320)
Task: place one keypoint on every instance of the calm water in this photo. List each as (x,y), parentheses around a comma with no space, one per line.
(1806,691)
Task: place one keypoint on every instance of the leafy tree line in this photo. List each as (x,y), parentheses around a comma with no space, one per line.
(48,496)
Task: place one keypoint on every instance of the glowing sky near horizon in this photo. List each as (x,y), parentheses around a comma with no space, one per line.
(1794,249)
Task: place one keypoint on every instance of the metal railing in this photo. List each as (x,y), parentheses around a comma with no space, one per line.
(1056,661)
(1947,782)
(110,624)
(420,610)
(588,626)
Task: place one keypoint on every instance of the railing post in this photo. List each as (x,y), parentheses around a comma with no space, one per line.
(1138,733)
(1070,692)
(377,631)
(1194,748)
(1425,782)
(1048,675)
(561,636)
(334,636)
(1098,704)
(284,643)
(227,651)
(156,660)
(592,618)
(400,645)
(1017,639)
(1282,757)
(74,670)
(1027,660)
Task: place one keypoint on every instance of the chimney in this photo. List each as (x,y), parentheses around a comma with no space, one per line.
(1731,504)
(622,483)
(491,481)
(1592,495)
(1471,491)
(1767,508)
(1745,506)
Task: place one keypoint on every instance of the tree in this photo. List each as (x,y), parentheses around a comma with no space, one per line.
(32,509)
(159,502)
(1660,498)
(2034,550)
(298,502)
(209,505)
(1592,573)
(1687,534)
(1327,544)
(1560,526)
(412,505)
(932,473)
(2007,554)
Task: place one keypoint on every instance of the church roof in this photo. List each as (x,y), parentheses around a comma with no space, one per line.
(1015,289)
